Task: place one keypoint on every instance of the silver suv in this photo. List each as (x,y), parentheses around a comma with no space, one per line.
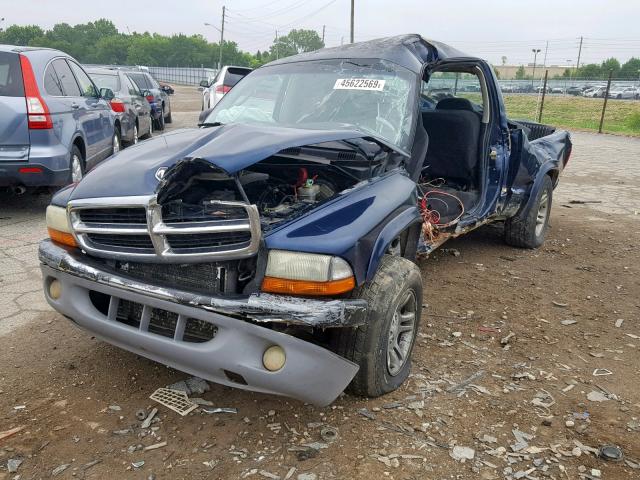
(54,122)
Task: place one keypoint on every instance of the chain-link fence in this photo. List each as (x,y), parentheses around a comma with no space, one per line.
(178,75)
(182,75)
(609,105)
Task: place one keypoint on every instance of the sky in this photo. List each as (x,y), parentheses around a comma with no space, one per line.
(489,29)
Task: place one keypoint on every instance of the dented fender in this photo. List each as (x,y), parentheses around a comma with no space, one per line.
(350,226)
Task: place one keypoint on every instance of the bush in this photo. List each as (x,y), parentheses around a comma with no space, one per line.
(633,121)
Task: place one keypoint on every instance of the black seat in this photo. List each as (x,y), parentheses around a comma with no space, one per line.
(454,135)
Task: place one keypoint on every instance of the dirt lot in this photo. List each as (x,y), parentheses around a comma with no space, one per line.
(572,306)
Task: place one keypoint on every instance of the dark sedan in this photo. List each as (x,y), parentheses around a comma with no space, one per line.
(132,110)
(157,97)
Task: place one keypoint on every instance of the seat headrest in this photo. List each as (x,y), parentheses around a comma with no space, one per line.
(454,103)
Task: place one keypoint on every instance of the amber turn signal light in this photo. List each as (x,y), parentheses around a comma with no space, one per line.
(63,238)
(306,287)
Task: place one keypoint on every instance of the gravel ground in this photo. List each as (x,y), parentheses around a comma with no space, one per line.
(524,406)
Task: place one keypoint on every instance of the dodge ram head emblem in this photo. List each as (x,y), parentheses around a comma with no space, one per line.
(160,173)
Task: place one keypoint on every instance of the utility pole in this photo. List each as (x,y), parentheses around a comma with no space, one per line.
(352,14)
(277,53)
(323,27)
(579,54)
(546,49)
(221,39)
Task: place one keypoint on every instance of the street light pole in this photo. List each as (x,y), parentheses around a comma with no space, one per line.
(221,37)
(352,15)
(535,51)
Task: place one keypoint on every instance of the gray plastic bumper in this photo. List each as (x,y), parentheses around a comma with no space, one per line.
(311,373)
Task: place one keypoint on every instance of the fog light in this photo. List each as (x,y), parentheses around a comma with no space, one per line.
(274,358)
(55,289)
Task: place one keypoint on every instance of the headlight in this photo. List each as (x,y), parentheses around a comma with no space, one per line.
(58,226)
(297,273)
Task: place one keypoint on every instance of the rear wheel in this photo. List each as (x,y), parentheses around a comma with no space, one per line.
(168,118)
(528,230)
(160,123)
(76,165)
(382,347)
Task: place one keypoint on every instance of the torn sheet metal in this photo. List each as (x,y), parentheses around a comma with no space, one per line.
(255,307)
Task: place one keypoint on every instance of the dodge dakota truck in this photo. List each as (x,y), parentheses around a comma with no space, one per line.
(274,247)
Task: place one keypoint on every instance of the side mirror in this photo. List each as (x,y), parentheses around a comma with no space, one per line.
(107,94)
(146,93)
(203,115)
(204,83)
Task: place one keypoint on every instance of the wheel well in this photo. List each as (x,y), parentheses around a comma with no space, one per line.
(80,144)
(553,174)
(118,126)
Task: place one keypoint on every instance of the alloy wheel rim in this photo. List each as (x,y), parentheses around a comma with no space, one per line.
(76,169)
(541,218)
(401,333)
(116,144)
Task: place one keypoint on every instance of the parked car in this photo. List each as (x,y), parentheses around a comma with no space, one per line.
(575,90)
(157,98)
(54,123)
(166,88)
(224,81)
(559,90)
(623,92)
(131,108)
(595,92)
(273,249)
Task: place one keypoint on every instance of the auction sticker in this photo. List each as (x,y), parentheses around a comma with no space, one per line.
(359,84)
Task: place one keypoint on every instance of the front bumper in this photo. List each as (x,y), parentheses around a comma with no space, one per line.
(311,373)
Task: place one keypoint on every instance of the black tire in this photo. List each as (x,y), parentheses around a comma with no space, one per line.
(168,118)
(160,123)
(76,155)
(528,229)
(368,345)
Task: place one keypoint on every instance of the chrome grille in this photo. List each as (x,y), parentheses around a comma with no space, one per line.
(138,228)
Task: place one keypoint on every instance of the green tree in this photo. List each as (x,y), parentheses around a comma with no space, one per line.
(296,41)
(21,35)
(521,73)
(610,64)
(630,69)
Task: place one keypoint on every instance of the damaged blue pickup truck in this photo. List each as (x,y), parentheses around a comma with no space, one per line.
(273,248)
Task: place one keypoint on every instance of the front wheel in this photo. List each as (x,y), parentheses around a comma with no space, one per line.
(116,142)
(160,123)
(528,229)
(76,165)
(382,347)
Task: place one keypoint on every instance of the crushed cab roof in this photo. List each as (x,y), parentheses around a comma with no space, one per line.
(410,51)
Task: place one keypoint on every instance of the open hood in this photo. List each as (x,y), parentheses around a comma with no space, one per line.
(230,147)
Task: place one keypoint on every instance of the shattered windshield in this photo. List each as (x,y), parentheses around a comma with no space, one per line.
(375,97)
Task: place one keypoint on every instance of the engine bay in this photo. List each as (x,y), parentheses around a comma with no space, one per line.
(282,187)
